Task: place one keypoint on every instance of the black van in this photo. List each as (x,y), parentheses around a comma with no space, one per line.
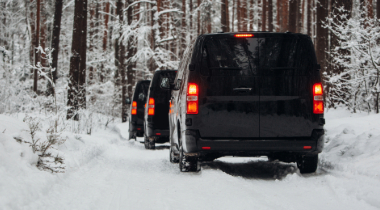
(136,119)
(156,120)
(248,94)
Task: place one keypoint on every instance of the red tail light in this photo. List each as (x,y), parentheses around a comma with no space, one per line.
(306,147)
(243,35)
(151,106)
(134,108)
(206,148)
(192,98)
(318,106)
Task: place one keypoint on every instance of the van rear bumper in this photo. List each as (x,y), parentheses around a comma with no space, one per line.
(194,144)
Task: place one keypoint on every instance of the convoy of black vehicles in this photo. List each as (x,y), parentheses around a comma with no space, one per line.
(136,119)
(244,94)
(156,122)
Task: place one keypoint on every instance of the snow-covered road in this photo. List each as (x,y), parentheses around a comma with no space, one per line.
(106,171)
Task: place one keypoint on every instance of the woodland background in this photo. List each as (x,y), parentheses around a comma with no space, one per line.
(79,59)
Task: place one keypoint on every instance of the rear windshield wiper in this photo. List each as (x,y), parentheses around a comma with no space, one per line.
(227,68)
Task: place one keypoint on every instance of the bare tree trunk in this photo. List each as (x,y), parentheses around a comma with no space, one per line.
(121,56)
(43,33)
(293,16)
(378,9)
(243,21)
(309,13)
(184,29)
(251,15)
(55,41)
(76,92)
(198,16)
(284,15)
(37,42)
(321,34)
(208,21)
(223,20)
(106,18)
(130,75)
(33,33)
(83,58)
(264,15)
(299,17)
(191,19)
(270,15)
(92,40)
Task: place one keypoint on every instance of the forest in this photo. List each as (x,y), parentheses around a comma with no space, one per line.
(74,59)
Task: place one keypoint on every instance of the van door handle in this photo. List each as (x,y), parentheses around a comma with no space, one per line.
(242,89)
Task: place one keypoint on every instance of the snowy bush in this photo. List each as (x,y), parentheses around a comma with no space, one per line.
(356,83)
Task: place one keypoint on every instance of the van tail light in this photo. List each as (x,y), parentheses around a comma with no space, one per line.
(134,108)
(318,106)
(151,104)
(192,98)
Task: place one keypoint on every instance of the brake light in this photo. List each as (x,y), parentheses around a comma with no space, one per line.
(151,106)
(206,148)
(192,98)
(306,147)
(318,106)
(243,35)
(134,108)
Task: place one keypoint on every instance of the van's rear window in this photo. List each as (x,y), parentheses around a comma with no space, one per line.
(232,56)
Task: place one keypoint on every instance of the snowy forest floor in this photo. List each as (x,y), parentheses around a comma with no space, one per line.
(106,171)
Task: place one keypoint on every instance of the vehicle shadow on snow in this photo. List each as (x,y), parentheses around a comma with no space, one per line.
(253,169)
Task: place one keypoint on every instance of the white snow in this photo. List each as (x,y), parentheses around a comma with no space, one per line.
(106,171)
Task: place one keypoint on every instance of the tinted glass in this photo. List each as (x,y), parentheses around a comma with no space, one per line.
(230,56)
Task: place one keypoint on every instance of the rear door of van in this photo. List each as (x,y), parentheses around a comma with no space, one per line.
(286,66)
(229,88)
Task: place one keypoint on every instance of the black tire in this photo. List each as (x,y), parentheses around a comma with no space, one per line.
(307,164)
(149,144)
(172,157)
(188,163)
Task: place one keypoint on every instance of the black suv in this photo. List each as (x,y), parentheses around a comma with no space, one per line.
(156,121)
(247,94)
(136,121)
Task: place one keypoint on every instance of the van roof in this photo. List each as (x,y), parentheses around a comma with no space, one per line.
(255,32)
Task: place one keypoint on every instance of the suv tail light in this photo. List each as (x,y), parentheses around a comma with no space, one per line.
(192,98)
(318,106)
(243,35)
(134,108)
(151,106)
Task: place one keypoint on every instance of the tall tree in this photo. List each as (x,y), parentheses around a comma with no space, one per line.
(76,92)
(270,15)
(264,15)
(293,15)
(321,42)
(310,7)
(130,46)
(378,9)
(106,19)
(121,57)
(55,40)
(224,15)
(284,15)
(243,10)
(37,44)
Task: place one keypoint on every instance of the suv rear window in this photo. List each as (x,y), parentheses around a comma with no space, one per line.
(230,56)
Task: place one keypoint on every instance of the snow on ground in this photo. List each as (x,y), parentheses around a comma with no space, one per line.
(106,171)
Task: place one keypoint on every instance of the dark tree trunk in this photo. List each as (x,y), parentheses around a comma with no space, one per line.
(37,43)
(264,15)
(130,75)
(33,33)
(121,56)
(299,16)
(293,15)
(106,18)
(243,10)
(378,9)
(224,16)
(321,34)
(43,37)
(77,91)
(284,15)
(184,29)
(251,15)
(309,14)
(55,41)
(270,15)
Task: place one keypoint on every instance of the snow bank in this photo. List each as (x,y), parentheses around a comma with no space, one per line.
(352,143)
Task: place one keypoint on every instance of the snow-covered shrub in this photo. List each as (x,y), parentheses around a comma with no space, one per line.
(356,84)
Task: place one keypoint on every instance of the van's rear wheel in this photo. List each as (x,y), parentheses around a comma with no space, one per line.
(188,163)
(307,164)
(148,143)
